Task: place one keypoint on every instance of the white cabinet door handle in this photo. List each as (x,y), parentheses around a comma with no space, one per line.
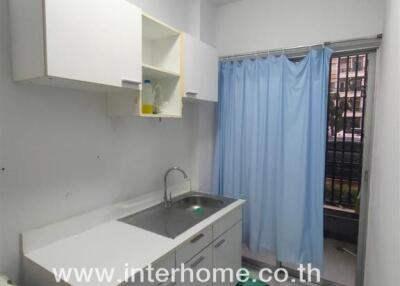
(197,262)
(219,244)
(192,94)
(129,82)
(197,238)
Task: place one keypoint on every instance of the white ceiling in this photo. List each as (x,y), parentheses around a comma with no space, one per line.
(223,2)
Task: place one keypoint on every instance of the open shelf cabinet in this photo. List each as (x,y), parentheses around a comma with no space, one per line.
(162,66)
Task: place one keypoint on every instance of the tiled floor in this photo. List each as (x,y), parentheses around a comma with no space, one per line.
(254,274)
(339,265)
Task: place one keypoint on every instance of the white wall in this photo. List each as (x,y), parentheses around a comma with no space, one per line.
(64,156)
(383,240)
(199,18)
(208,22)
(253,25)
(177,13)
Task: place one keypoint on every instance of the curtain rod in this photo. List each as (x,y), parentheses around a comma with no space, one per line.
(360,44)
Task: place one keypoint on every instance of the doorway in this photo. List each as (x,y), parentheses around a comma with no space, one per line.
(349,134)
(352,78)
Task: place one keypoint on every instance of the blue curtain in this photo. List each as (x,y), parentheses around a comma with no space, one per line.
(270,150)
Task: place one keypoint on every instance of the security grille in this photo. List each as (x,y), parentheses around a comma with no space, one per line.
(345,130)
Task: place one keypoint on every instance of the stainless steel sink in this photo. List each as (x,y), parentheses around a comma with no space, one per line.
(186,211)
(197,203)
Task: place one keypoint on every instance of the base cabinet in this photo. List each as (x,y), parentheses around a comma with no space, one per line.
(199,264)
(168,283)
(216,246)
(227,254)
(223,253)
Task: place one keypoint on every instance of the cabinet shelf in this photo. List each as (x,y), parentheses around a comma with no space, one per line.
(161,66)
(153,72)
(161,115)
(155,30)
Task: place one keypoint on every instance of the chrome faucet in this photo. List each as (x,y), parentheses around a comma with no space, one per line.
(168,201)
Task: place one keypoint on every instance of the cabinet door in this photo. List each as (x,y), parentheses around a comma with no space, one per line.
(96,41)
(209,73)
(165,263)
(192,66)
(194,245)
(169,283)
(227,252)
(200,261)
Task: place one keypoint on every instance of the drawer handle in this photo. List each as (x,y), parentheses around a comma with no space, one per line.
(192,94)
(197,238)
(219,244)
(197,262)
(130,82)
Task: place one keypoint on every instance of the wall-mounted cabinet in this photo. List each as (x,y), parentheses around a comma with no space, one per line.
(162,88)
(192,66)
(201,70)
(145,66)
(208,73)
(79,44)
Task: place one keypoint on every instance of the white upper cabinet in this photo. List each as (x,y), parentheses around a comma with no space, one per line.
(77,43)
(208,73)
(201,70)
(111,46)
(192,65)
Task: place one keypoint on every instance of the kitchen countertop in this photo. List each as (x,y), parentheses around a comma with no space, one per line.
(114,246)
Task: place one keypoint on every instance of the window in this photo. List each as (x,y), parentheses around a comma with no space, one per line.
(345,130)
(333,85)
(343,65)
(342,87)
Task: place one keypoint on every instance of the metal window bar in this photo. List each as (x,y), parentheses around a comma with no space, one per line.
(336,122)
(354,102)
(345,130)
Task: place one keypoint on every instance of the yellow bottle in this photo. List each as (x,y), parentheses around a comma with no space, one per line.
(147,109)
(147,98)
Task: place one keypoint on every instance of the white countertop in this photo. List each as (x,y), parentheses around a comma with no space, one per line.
(112,245)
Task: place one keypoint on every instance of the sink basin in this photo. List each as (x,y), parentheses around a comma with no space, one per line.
(195,203)
(186,211)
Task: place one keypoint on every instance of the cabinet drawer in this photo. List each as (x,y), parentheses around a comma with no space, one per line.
(226,222)
(203,260)
(167,262)
(193,246)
